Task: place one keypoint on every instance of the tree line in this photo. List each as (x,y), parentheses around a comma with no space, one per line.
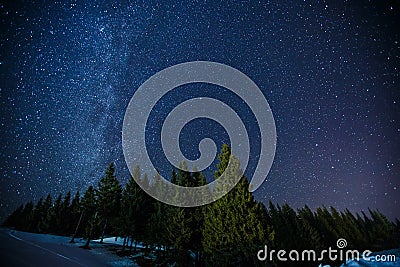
(227,232)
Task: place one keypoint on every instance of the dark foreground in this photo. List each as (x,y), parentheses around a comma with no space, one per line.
(24,249)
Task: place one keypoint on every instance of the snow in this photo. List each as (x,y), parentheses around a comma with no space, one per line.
(118,242)
(123,262)
(111,240)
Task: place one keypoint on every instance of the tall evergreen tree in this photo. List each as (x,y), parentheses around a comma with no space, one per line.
(14,218)
(89,203)
(159,215)
(26,217)
(36,216)
(310,233)
(179,234)
(179,229)
(108,199)
(232,228)
(43,226)
(53,219)
(76,215)
(135,209)
(65,215)
(198,219)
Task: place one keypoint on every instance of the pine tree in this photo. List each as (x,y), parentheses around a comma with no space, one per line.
(290,226)
(179,234)
(36,216)
(232,228)
(382,231)
(108,199)
(43,226)
(26,217)
(179,229)
(158,210)
(310,235)
(89,203)
(76,215)
(174,178)
(198,219)
(53,219)
(157,230)
(65,214)
(223,158)
(326,227)
(135,209)
(351,231)
(14,218)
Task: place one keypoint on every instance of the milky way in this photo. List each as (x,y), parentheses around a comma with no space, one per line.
(329,70)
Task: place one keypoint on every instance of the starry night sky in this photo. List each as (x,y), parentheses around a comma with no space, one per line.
(329,70)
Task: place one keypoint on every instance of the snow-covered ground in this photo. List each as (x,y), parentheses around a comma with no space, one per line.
(119,241)
(111,240)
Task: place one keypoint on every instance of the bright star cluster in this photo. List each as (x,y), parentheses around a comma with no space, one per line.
(329,70)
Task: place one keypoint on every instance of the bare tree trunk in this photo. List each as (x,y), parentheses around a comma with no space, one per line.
(76,229)
(130,248)
(87,244)
(91,221)
(124,244)
(104,230)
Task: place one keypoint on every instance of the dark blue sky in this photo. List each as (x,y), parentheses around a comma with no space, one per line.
(329,70)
